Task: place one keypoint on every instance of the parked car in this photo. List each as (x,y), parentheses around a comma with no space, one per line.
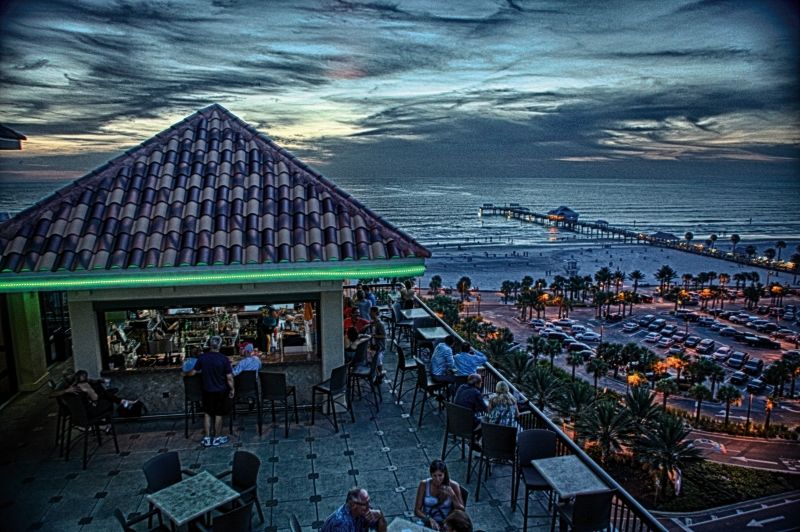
(665,342)
(737,359)
(739,378)
(652,337)
(554,335)
(676,350)
(680,337)
(576,328)
(762,309)
(578,346)
(705,346)
(762,341)
(568,341)
(692,341)
(723,352)
(657,325)
(768,327)
(669,330)
(727,331)
(614,317)
(588,336)
(563,322)
(705,321)
(754,367)
(687,315)
(646,320)
(717,326)
(756,386)
(537,322)
(630,327)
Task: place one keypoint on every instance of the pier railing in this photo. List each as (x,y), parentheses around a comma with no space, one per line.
(626,513)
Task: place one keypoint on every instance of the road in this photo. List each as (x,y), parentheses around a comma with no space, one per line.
(773,455)
(777,513)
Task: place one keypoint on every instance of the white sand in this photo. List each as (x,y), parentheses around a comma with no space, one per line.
(487,267)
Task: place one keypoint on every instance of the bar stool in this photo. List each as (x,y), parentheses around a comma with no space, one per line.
(334,387)
(274,388)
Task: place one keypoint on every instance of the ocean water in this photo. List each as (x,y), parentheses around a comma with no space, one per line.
(445,211)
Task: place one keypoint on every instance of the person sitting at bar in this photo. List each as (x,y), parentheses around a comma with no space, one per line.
(469,396)
(437,496)
(250,362)
(351,342)
(468,360)
(98,400)
(355,515)
(378,337)
(442,363)
(503,406)
(218,390)
(191,360)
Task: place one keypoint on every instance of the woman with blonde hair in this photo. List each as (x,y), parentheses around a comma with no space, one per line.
(502,406)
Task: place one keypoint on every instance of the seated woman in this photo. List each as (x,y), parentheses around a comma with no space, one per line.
(351,342)
(437,496)
(98,400)
(502,406)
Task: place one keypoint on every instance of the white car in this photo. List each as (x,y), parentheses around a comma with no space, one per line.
(652,337)
(588,336)
(665,342)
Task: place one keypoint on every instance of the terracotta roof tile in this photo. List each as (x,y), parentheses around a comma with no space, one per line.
(208,190)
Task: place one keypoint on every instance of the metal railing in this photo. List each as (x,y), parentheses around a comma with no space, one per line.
(626,512)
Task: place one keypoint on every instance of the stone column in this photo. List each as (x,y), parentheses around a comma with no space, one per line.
(28,340)
(85,337)
(331,333)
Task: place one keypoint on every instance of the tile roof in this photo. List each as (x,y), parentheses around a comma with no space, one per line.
(208,191)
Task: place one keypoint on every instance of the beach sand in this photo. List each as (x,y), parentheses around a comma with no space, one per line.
(488,266)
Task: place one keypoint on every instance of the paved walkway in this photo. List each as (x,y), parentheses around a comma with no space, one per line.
(307,474)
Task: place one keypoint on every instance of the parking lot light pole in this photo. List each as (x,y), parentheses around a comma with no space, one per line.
(749,406)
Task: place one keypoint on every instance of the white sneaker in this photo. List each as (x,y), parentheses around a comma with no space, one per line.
(220,440)
(206,442)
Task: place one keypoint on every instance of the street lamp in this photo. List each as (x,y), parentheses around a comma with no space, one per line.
(749,406)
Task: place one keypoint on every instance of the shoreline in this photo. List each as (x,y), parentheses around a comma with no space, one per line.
(489,264)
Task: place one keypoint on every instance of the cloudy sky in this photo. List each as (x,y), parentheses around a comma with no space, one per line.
(425,88)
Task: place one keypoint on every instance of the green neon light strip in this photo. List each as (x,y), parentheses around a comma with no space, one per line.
(205,278)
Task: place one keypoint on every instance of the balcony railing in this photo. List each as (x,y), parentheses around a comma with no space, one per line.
(626,513)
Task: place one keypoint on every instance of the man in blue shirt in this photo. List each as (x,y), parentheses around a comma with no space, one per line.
(218,390)
(251,362)
(468,360)
(355,515)
(443,364)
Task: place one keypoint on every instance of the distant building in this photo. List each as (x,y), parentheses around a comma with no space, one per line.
(661,235)
(563,214)
(10,139)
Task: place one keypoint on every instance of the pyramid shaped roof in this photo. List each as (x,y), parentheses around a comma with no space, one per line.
(208,192)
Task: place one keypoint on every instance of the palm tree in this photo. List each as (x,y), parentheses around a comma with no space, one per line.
(526,282)
(506,288)
(689,236)
(666,450)
(665,275)
(728,394)
(667,387)
(781,245)
(777,374)
(713,237)
(769,253)
(463,286)
(752,295)
(552,349)
(687,279)
(715,374)
(699,393)
(536,346)
(575,360)
(636,276)
(470,326)
(795,259)
(576,398)
(514,365)
(603,278)
(541,387)
(607,427)
(750,251)
(640,404)
(735,239)
(611,353)
(597,367)
(435,284)
(791,360)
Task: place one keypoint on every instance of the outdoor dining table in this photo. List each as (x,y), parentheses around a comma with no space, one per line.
(192,497)
(414,313)
(568,475)
(399,524)
(433,333)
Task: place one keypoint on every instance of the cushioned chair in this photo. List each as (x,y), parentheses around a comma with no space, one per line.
(79,417)
(162,471)
(274,388)
(403,366)
(244,476)
(246,386)
(192,400)
(428,387)
(460,425)
(237,520)
(499,443)
(586,512)
(127,524)
(333,388)
(532,445)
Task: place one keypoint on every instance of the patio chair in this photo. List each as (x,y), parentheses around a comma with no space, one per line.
(274,388)
(246,386)
(127,524)
(400,325)
(532,445)
(244,477)
(80,418)
(499,443)
(237,520)
(366,374)
(428,387)
(403,366)
(162,471)
(192,399)
(460,424)
(464,495)
(585,512)
(334,387)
